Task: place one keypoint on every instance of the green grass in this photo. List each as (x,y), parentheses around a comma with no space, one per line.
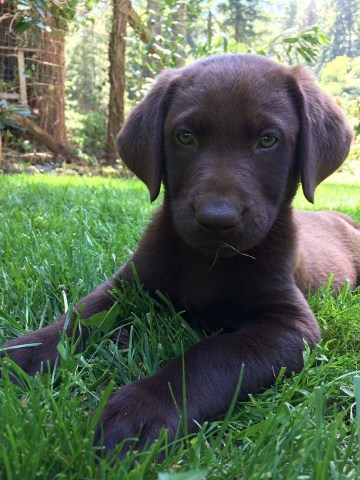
(59,238)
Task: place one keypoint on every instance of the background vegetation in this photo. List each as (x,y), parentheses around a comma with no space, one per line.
(325,35)
(143,36)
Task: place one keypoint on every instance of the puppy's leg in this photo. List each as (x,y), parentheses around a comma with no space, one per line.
(42,349)
(212,370)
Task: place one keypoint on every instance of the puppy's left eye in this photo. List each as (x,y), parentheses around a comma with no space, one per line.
(268,141)
(185,137)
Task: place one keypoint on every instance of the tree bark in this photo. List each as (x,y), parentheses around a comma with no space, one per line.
(45,87)
(47,83)
(121,9)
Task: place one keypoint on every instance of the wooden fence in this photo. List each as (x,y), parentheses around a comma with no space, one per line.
(21,94)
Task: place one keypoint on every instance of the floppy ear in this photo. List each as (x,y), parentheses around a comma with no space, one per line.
(140,141)
(325,135)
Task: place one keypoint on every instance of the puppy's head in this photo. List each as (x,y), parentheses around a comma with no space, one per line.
(230,136)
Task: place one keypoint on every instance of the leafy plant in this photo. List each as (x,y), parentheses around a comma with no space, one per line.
(6,119)
(6,112)
(38,13)
(177,38)
(292,46)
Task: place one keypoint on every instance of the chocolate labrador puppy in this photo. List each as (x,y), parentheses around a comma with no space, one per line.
(230,137)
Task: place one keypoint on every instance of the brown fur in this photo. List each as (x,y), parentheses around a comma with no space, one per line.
(225,244)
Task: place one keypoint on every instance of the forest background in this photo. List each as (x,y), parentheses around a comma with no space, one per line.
(112,49)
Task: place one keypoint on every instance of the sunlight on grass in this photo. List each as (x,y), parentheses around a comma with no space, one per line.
(334,194)
(345,198)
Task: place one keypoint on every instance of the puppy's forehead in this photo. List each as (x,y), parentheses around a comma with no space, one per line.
(245,83)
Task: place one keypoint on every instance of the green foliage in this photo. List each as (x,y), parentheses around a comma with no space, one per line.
(179,31)
(167,47)
(344,31)
(87,62)
(87,87)
(88,131)
(59,238)
(241,16)
(294,46)
(42,13)
(183,31)
(31,15)
(290,47)
(341,78)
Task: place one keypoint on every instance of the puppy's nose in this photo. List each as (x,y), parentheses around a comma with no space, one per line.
(218,217)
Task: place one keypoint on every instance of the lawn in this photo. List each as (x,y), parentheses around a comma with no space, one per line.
(59,238)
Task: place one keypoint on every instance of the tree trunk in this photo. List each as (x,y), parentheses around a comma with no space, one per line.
(47,82)
(121,9)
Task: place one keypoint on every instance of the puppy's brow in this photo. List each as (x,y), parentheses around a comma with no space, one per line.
(197,121)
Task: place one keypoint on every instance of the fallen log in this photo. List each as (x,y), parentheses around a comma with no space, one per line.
(58,148)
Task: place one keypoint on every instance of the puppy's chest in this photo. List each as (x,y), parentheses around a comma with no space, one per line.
(227,315)
(213,303)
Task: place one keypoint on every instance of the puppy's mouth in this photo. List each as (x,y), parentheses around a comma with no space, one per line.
(216,246)
(223,251)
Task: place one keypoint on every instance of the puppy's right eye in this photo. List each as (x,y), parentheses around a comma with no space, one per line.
(268,141)
(185,137)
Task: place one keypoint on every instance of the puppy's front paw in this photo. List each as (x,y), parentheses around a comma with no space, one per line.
(135,415)
(34,351)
